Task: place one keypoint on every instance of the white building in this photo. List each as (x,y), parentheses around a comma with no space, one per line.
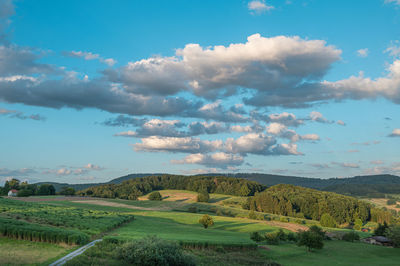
(12,193)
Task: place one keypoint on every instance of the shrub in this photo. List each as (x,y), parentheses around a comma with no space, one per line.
(272,238)
(391,202)
(381,229)
(317,230)
(284,219)
(153,251)
(155,196)
(310,239)
(393,233)
(292,237)
(357,224)
(351,236)
(256,237)
(252,215)
(327,220)
(192,209)
(281,235)
(203,197)
(206,221)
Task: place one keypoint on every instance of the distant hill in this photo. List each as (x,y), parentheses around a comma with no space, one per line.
(77,187)
(331,184)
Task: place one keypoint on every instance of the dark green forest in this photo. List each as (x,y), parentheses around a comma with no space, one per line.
(134,188)
(290,200)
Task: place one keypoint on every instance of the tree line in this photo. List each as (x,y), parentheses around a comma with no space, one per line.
(290,200)
(25,190)
(134,188)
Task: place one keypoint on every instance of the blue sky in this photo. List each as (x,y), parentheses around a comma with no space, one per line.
(91,90)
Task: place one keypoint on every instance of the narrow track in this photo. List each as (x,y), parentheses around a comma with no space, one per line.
(72,255)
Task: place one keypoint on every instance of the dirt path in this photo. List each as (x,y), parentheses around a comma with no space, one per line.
(289,226)
(72,255)
(119,205)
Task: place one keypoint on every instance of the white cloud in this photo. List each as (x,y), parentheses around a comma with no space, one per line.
(318,117)
(173,144)
(91,56)
(276,128)
(239,128)
(259,6)
(396,2)
(219,159)
(363,52)
(129,133)
(395,133)
(394,49)
(340,122)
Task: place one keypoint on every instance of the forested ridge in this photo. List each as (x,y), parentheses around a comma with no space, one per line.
(134,188)
(290,200)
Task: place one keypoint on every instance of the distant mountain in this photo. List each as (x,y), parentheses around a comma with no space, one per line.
(268,180)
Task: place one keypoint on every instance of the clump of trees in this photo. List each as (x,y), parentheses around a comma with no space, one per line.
(311,240)
(67,191)
(151,251)
(206,221)
(332,208)
(203,196)
(26,190)
(391,202)
(327,220)
(390,231)
(134,188)
(155,196)
(351,236)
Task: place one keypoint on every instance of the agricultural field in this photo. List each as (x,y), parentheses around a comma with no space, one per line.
(172,219)
(49,223)
(382,203)
(23,252)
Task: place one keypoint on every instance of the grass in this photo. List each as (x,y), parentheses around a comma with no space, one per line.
(22,252)
(185,226)
(335,253)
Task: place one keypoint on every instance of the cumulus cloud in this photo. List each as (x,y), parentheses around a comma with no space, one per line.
(395,133)
(174,144)
(363,52)
(259,6)
(220,159)
(200,128)
(276,128)
(318,117)
(260,63)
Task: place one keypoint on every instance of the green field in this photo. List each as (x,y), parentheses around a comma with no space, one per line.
(335,253)
(170,220)
(22,252)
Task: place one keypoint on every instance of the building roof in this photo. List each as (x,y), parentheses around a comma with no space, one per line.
(13,191)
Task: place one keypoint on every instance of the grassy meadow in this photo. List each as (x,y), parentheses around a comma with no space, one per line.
(171,219)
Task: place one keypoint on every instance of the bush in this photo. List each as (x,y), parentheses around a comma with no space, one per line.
(284,219)
(310,239)
(351,236)
(155,196)
(393,233)
(192,209)
(206,221)
(256,237)
(292,237)
(203,197)
(357,224)
(318,230)
(381,229)
(252,215)
(272,238)
(153,251)
(391,202)
(327,220)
